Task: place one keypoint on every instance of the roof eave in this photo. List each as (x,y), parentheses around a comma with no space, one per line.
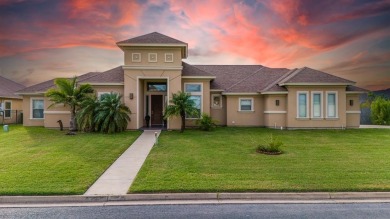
(30,93)
(239,93)
(316,84)
(199,77)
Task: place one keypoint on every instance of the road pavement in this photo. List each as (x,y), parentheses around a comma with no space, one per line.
(352,210)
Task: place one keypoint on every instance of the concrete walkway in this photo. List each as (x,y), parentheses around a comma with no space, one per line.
(374,127)
(121,174)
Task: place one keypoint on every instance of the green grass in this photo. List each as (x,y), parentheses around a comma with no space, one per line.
(39,161)
(225,160)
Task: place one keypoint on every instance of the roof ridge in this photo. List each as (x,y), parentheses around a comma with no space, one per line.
(245,78)
(279,79)
(13,81)
(292,74)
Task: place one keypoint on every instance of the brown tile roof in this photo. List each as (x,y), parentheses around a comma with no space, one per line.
(228,75)
(44,86)
(356,89)
(192,70)
(9,87)
(152,38)
(309,75)
(115,75)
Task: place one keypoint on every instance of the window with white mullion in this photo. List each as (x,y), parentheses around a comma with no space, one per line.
(195,90)
(302,105)
(246,104)
(331,104)
(7,109)
(316,100)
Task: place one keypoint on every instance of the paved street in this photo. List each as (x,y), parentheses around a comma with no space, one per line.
(355,211)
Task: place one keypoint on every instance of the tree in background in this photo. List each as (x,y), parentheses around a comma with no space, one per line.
(380,111)
(181,105)
(69,93)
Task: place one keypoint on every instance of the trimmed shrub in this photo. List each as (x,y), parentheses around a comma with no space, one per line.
(206,123)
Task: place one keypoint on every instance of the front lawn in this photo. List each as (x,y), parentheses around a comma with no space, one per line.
(225,160)
(39,161)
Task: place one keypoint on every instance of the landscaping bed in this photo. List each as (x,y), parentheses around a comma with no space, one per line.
(225,160)
(39,161)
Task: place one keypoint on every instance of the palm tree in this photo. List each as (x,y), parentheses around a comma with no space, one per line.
(70,94)
(181,105)
(86,115)
(112,115)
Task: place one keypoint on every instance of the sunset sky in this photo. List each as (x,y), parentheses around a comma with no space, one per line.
(44,39)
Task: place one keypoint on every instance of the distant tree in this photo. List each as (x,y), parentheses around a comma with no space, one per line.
(111,114)
(380,111)
(181,105)
(69,93)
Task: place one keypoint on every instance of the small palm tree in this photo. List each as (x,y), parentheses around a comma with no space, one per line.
(112,115)
(69,93)
(86,115)
(181,105)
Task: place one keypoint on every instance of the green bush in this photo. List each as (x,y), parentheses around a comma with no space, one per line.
(206,123)
(380,111)
(272,146)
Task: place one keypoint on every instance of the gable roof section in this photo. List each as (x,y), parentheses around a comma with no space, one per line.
(112,76)
(152,38)
(44,86)
(228,75)
(309,76)
(9,87)
(193,71)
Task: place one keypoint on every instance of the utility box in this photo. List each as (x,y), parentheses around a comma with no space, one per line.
(5,128)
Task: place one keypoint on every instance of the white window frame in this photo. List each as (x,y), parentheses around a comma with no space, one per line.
(199,93)
(133,59)
(32,110)
(99,94)
(307,104)
(336,104)
(149,57)
(167,54)
(5,109)
(212,101)
(321,105)
(252,104)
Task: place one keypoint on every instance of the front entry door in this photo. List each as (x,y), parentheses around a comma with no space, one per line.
(157,110)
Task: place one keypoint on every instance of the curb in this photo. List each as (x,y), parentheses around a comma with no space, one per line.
(314,196)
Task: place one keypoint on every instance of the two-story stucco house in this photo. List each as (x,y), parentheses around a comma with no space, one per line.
(235,95)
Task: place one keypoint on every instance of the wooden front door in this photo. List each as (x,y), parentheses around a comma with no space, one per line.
(156,109)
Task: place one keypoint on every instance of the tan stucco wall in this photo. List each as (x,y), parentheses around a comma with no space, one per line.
(353,115)
(275,116)
(110,88)
(160,56)
(16,108)
(27,121)
(294,122)
(237,118)
(219,114)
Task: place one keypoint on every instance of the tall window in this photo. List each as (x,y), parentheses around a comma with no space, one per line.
(331,103)
(316,105)
(302,105)
(37,108)
(195,89)
(7,109)
(246,104)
